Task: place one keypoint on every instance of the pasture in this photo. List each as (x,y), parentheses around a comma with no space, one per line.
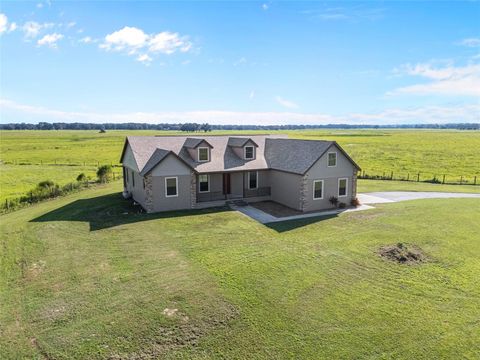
(86,276)
(28,157)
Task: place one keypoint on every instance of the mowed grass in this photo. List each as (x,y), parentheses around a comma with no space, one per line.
(85,276)
(454,153)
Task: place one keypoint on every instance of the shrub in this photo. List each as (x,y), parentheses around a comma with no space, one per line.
(82,177)
(342,205)
(45,184)
(333,200)
(105,173)
(355,202)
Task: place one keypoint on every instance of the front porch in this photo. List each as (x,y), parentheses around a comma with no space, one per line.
(218,187)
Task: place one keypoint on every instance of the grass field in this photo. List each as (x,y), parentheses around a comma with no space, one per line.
(454,153)
(82,279)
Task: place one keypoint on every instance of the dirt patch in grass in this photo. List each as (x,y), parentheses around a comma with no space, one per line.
(402,253)
(185,332)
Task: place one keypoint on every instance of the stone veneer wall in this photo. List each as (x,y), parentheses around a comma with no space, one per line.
(303,193)
(193,189)
(148,193)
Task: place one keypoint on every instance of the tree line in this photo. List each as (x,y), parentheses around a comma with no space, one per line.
(195,127)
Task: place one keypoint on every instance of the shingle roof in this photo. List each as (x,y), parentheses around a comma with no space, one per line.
(273,152)
(238,141)
(194,142)
(292,155)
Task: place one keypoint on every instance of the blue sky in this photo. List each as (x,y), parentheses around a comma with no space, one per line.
(240,62)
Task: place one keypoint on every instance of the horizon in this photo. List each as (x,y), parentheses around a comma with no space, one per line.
(240,63)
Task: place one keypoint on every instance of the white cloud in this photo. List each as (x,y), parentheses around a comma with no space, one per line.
(32,28)
(131,40)
(265,7)
(432,114)
(240,61)
(3,23)
(70,24)
(447,80)
(50,40)
(471,42)
(86,40)
(39,5)
(144,59)
(286,103)
(13,27)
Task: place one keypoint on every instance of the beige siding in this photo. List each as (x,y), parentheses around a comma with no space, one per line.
(171,167)
(330,176)
(285,188)
(129,160)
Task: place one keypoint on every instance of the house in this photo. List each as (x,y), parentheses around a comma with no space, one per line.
(164,173)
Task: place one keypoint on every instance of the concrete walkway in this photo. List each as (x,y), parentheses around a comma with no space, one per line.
(365,199)
(395,196)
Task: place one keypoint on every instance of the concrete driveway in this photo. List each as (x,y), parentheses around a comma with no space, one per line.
(395,196)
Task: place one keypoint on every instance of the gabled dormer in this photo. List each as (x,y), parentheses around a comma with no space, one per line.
(199,149)
(245,148)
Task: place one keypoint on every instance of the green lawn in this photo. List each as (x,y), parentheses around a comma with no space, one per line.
(83,279)
(24,154)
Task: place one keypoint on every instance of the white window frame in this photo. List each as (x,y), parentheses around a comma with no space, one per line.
(245,153)
(346,187)
(313,190)
(208,154)
(176,186)
(256,187)
(328,158)
(208,183)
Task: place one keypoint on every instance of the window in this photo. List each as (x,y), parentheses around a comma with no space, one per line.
(252,179)
(171,186)
(203,183)
(249,152)
(342,187)
(317,189)
(203,154)
(133,179)
(332,159)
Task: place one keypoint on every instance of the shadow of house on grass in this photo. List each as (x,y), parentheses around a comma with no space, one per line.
(111,210)
(287,225)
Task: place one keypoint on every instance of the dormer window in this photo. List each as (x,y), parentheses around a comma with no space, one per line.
(249,152)
(332,159)
(203,154)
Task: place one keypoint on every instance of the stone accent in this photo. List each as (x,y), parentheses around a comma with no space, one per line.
(148,193)
(193,189)
(303,193)
(354,184)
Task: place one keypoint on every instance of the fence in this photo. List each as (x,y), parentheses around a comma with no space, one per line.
(61,163)
(439,178)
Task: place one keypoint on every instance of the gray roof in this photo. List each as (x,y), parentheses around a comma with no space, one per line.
(293,155)
(239,141)
(194,142)
(273,152)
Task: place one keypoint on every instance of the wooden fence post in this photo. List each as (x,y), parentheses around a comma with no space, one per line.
(461,179)
(474,180)
(408,176)
(418,177)
(443,181)
(391,175)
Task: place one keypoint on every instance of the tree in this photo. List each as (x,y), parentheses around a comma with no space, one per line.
(105,173)
(206,127)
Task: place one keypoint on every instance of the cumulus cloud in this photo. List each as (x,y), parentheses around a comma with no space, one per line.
(144,58)
(265,7)
(32,29)
(3,23)
(429,114)
(446,80)
(132,40)
(86,40)
(50,40)
(286,103)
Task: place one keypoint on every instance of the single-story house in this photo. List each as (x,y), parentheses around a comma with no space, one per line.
(164,173)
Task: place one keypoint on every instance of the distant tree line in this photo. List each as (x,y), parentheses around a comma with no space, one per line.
(194,127)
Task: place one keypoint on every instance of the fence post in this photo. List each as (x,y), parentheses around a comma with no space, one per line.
(418,177)
(408,176)
(461,179)
(443,181)
(391,175)
(474,180)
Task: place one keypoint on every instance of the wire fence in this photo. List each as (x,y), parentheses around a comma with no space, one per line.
(61,163)
(439,178)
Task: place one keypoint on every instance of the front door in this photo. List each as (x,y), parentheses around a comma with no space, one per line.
(226,184)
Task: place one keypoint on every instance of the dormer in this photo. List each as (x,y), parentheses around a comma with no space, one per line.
(199,149)
(245,148)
